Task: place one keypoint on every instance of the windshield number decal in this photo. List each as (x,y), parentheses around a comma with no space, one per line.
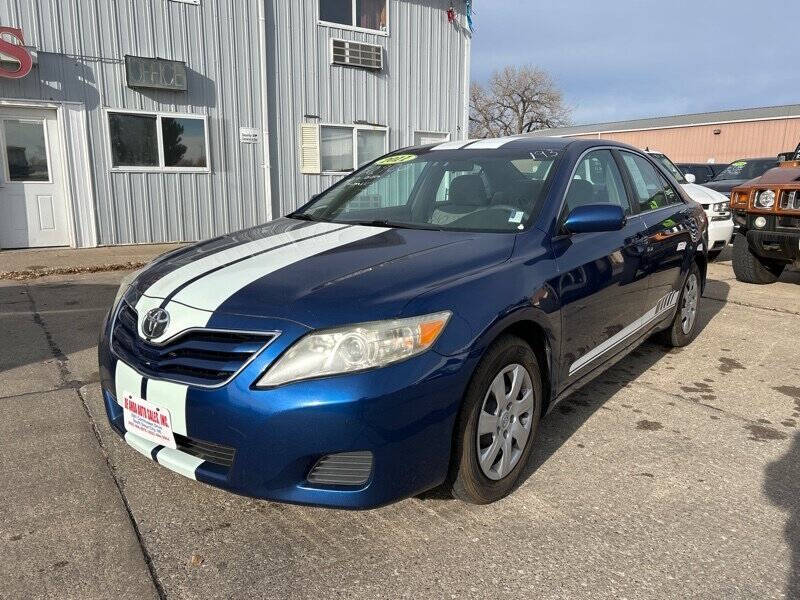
(396,159)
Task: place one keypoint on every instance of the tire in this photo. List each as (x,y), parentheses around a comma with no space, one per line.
(749,268)
(683,328)
(713,255)
(509,357)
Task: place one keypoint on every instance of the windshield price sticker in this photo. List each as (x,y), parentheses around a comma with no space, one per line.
(148,421)
(396,159)
(516,217)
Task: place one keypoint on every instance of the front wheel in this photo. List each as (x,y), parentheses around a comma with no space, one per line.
(749,268)
(684,326)
(498,423)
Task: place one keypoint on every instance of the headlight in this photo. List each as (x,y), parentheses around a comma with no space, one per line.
(356,348)
(721,207)
(125,284)
(765,199)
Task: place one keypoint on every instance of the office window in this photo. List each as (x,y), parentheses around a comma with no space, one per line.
(336,148)
(365,14)
(133,140)
(158,142)
(184,142)
(371,145)
(344,148)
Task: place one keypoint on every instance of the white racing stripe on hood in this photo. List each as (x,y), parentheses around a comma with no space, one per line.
(211,291)
(171,281)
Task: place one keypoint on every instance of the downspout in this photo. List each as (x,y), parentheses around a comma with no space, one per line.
(262,59)
(467,58)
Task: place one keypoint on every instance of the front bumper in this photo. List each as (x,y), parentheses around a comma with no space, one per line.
(719,234)
(777,245)
(402,414)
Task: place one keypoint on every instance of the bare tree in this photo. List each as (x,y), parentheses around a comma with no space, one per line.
(516,100)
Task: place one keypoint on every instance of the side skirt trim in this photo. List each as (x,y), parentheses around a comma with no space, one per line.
(665,304)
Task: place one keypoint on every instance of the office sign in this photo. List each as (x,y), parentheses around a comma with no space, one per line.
(157,73)
(248,135)
(12,49)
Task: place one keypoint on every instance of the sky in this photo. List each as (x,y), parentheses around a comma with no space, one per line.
(626,59)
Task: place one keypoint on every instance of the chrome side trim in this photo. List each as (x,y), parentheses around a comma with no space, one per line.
(663,306)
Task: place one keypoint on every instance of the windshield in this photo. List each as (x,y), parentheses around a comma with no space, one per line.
(676,172)
(473,190)
(746,169)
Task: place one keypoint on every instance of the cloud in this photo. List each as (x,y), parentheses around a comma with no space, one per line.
(624,59)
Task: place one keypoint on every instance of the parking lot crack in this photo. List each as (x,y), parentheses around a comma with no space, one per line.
(752,305)
(67,381)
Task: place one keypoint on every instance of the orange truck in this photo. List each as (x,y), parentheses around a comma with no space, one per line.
(766,212)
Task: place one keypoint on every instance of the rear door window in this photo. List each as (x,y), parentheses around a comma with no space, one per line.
(647,183)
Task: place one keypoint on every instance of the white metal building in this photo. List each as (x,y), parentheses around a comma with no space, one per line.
(148,121)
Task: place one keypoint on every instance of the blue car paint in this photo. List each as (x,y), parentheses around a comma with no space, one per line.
(555,285)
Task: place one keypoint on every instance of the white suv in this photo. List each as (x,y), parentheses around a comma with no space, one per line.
(716,205)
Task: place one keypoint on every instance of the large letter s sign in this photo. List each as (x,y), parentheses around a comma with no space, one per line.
(15,51)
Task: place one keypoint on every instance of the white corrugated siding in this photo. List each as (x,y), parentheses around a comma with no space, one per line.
(82,44)
(423,86)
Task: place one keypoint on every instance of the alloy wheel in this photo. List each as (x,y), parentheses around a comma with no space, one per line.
(689,306)
(504,424)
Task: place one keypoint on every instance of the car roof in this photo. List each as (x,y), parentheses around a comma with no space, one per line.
(525,142)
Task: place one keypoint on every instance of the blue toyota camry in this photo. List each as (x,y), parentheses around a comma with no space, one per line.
(408,327)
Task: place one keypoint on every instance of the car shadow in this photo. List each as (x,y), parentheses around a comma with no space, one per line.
(570,414)
(782,487)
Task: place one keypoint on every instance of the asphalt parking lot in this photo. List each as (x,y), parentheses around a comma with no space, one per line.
(675,474)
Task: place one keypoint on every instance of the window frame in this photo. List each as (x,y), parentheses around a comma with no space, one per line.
(356,128)
(352,26)
(161,167)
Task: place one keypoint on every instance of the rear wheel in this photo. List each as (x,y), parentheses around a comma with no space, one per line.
(749,268)
(684,326)
(498,423)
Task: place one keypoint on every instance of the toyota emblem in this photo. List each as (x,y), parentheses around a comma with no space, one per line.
(155,323)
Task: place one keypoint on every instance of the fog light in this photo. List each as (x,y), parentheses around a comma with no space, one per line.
(760,222)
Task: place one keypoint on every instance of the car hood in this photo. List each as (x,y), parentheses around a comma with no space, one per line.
(724,186)
(703,194)
(315,274)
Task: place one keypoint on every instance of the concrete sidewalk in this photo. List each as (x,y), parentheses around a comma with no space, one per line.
(38,262)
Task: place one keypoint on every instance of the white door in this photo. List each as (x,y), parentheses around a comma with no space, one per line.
(32,205)
(423,138)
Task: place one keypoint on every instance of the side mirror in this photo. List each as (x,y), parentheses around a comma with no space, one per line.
(690,178)
(595,217)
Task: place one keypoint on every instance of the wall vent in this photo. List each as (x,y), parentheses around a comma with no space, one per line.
(356,54)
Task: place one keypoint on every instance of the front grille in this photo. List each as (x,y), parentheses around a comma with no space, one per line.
(209,451)
(345,468)
(198,357)
(790,200)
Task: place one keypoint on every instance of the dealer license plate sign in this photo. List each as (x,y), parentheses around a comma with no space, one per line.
(147,420)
